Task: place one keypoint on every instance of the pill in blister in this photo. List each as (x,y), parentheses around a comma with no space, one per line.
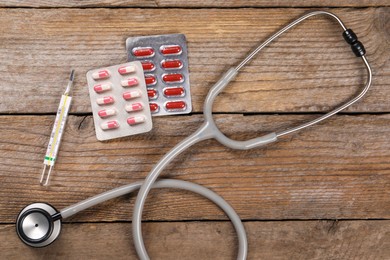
(101,74)
(110,125)
(148,66)
(126,69)
(130,82)
(107,112)
(168,64)
(105,100)
(170,49)
(154,108)
(173,78)
(131,94)
(143,52)
(174,92)
(135,120)
(134,107)
(171,64)
(152,93)
(175,105)
(150,80)
(124,95)
(102,87)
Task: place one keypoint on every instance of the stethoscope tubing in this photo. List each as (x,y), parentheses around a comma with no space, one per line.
(209,130)
(174,184)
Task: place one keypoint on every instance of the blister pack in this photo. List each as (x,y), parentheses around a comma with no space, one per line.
(119,101)
(165,63)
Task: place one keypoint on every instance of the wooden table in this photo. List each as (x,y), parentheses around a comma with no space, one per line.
(322,193)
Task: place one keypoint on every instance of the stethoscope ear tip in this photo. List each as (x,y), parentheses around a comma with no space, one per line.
(38,224)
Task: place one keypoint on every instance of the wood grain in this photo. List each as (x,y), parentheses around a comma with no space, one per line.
(310,69)
(337,170)
(192,4)
(212,240)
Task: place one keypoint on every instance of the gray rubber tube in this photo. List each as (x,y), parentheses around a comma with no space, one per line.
(169,183)
(210,130)
(206,131)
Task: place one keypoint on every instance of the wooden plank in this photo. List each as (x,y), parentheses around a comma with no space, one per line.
(192,4)
(212,240)
(307,70)
(337,170)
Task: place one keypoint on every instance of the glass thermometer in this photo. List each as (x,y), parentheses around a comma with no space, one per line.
(56,133)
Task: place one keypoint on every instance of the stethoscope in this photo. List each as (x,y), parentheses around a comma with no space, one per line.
(39,224)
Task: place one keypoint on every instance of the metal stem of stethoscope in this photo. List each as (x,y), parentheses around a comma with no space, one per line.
(39,224)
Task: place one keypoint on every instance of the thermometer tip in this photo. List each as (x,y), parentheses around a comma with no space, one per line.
(71,78)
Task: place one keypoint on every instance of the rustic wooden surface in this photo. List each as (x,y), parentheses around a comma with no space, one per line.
(192,4)
(292,75)
(289,194)
(342,165)
(267,240)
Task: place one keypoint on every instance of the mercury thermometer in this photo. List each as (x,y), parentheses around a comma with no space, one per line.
(56,133)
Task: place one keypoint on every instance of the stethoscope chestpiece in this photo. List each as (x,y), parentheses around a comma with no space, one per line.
(38,224)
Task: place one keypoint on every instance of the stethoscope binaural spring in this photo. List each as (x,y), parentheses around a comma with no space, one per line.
(39,224)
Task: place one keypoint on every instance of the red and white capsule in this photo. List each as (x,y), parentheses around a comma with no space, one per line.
(130,82)
(126,69)
(131,94)
(171,64)
(170,50)
(101,74)
(150,80)
(173,78)
(148,66)
(102,87)
(110,125)
(136,120)
(154,108)
(174,92)
(143,52)
(107,112)
(134,107)
(175,105)
(105,100)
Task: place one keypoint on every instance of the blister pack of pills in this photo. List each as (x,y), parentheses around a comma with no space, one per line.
(165,63)
(119,101)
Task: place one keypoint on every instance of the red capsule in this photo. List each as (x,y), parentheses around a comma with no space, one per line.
(152,93)
(154,108)
(172,64)
(143,52)
(173,78)
(148,65)
(170,50)
(175,105)
(174,92)
(150,80)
